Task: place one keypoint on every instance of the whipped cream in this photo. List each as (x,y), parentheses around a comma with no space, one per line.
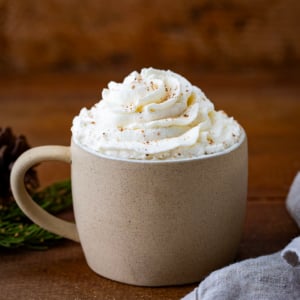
(154,114)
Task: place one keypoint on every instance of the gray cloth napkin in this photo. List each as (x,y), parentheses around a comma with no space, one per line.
(270,277)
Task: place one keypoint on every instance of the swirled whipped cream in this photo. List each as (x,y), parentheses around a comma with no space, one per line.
(154,114)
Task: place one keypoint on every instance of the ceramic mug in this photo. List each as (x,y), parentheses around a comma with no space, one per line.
(148,223)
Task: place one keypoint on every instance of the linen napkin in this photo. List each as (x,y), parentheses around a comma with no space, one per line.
(269,277)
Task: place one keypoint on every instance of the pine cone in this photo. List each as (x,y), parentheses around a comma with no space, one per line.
(11,147)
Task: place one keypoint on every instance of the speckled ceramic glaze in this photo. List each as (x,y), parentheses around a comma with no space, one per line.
(149,223)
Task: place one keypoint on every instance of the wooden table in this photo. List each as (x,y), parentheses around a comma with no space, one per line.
(42,108)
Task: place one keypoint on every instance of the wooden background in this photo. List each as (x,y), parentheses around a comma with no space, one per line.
(204,34)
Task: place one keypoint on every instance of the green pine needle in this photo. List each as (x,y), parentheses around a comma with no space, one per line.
(16,230)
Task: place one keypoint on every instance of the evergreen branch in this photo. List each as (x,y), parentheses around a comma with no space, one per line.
(16,230)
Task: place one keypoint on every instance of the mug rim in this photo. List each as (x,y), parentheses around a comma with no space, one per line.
(236,145)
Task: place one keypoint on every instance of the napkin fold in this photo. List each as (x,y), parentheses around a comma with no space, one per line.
(269,277)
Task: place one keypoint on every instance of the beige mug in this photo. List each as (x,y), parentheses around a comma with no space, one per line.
(148,223)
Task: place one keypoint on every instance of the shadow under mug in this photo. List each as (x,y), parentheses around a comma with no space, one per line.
(148,223)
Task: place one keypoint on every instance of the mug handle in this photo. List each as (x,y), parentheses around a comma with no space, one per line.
(37,214)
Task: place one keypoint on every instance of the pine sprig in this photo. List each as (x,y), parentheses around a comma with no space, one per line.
(16,230)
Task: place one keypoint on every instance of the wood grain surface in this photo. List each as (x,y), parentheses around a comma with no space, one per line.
(42,107)
(209,34)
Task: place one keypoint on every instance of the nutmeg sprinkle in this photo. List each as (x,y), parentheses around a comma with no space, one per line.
(160,114)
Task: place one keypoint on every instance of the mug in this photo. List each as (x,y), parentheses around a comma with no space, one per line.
(147,223)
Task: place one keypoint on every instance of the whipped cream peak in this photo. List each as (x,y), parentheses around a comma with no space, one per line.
(154,114)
